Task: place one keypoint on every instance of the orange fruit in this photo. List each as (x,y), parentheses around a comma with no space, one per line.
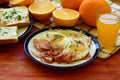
(72,4)
(65,17)
(40,0)
(42,10)
(88,10)
(21,2)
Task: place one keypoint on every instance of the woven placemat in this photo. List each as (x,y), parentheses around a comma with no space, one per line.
(104,52)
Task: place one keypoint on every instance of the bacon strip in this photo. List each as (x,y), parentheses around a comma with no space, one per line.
(50,54)
(65,57)
(41,45)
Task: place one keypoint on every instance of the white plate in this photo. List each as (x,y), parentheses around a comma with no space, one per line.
(22,31)
(94,49)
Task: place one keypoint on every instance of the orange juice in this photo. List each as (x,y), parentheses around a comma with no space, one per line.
(108,26)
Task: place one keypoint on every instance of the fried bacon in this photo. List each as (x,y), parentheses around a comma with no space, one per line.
(41,45)
(50,54)
(65,57)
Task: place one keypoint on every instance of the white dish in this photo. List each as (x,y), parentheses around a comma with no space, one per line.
(94,49)
(22,31)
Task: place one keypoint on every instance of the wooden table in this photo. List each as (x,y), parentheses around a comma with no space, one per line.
(16,65)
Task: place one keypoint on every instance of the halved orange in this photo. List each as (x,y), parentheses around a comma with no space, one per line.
(65,17)
(21,2)
(42,10)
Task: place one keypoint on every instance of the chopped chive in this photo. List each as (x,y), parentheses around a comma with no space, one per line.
(4,13)
(78,42)
(75,50)
(5,32)
(19,17)
(14,11)
(57,36)
(6,17)
(47,35)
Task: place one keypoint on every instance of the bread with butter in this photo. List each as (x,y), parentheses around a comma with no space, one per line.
(14,16)
(8,35)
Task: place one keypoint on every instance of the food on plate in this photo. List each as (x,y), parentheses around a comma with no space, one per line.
(15,16)
(8,35)
(21,2)
(66,17)
(72,4)
(42,10)
(88,10)
(61,46)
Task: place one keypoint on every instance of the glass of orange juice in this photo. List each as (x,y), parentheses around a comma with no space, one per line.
(108,25)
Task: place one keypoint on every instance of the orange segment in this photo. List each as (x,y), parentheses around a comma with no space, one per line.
(42,10)
(65,17)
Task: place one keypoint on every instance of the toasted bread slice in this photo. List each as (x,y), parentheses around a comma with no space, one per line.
(15,16)
(8,35)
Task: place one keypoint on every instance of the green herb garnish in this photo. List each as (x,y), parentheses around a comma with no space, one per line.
(75,50)
(14,11)
(78,42)
(5,32)
(12,14)
(19,17)
(56,36)
(6,17)
(47,35)
(4,13)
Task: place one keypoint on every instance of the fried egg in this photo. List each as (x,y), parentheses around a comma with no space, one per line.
(71,41)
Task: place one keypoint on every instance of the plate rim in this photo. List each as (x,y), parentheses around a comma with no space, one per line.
(58,27)
(29,26)
(28,29)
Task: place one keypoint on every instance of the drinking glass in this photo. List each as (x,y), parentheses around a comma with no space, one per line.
(108,25)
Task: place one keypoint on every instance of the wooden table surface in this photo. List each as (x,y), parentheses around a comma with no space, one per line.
(16,65)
